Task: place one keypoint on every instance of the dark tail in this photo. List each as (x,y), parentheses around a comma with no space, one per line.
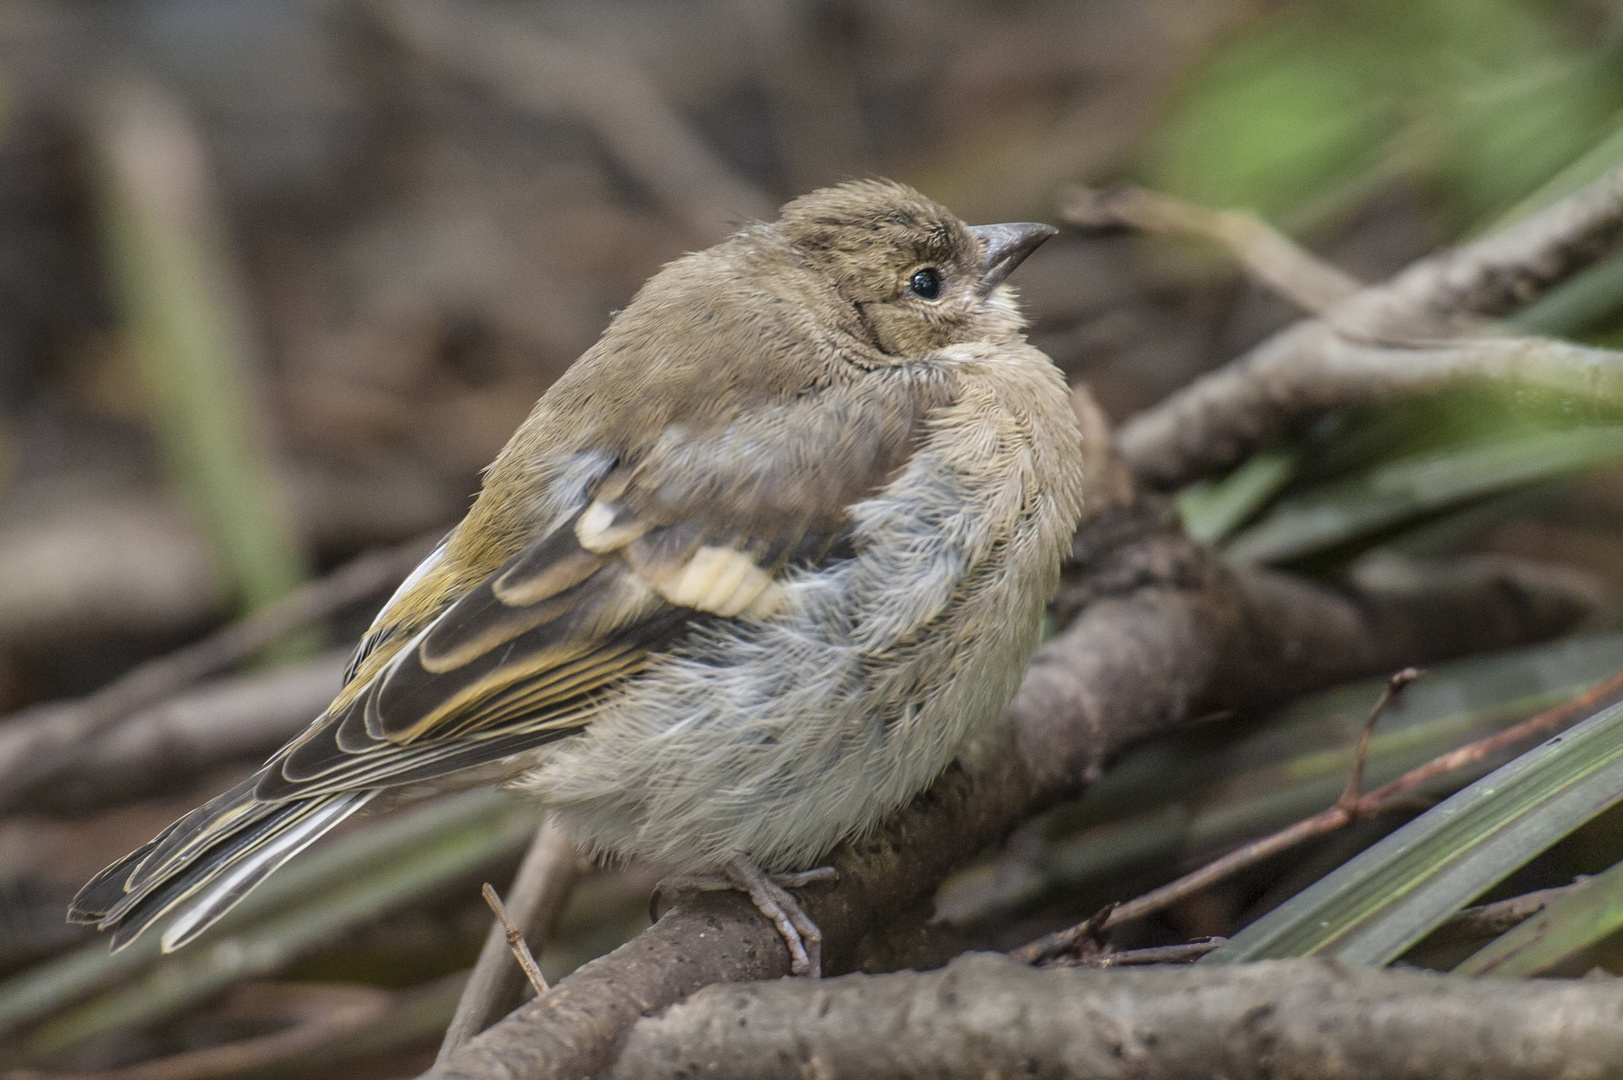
(204,864)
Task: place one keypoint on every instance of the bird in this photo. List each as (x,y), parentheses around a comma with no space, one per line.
(750,575)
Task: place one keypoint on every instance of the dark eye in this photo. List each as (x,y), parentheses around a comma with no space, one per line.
(926,283)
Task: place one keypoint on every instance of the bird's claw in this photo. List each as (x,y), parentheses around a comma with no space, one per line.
(769,893)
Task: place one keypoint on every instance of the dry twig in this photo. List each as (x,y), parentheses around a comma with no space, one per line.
(1268,254)
(544,882)
(1387,797)
(1355,779)
(515,940)
(43,742)
(1420,331)
(1475,924)
(1187,953)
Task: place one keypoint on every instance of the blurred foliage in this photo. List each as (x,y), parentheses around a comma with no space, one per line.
(1482,100)
(1493,109)
(1186,798)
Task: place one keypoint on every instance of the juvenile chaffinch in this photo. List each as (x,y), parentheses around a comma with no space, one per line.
(745,580)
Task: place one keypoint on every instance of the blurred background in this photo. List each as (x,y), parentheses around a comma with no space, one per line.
(278,277)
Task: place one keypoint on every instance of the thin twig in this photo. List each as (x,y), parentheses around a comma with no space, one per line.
(1268,254)
(544,882)
(1355,781)
(1386,797)
(1187,953)
(42,743)
(1490,920)
(516,942)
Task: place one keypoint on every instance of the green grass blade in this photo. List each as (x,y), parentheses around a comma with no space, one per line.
(1326,517)
(1568,926)
(1594,164)
(1212,509)
(1373,908)
(1578,304)
(178,287)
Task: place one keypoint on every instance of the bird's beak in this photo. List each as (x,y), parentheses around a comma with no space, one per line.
(1005,247)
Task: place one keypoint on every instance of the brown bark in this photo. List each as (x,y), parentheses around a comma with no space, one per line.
(1166,632)
(986,1015)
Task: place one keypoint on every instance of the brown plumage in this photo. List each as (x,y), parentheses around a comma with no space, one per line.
(768,553)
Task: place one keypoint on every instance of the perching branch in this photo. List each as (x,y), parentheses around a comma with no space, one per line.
(985,1015)
(1165,631)
(1419,331)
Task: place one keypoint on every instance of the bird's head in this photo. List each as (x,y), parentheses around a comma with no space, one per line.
(918,277)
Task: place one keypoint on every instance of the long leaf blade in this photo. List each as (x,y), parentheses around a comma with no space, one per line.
(1335,514)
(1570,924)
(1373,908)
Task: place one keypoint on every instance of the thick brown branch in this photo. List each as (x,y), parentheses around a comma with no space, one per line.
(1166,631)
(985,1015)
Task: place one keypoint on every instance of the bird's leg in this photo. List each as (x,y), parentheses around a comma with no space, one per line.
(769,894)
(804,939)
(801,878)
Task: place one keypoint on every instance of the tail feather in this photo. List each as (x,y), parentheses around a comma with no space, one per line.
(227,814)
(107,888)
(205,863)
(225,894)
(238,837)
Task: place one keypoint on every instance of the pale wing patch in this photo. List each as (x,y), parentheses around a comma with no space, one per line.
(720,580)
(604,527)
(520,586)
(495,634)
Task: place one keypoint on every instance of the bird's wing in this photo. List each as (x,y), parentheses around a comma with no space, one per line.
(515,662)
(701,533)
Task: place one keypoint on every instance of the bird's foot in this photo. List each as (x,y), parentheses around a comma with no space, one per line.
(804,939)
(769,893)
